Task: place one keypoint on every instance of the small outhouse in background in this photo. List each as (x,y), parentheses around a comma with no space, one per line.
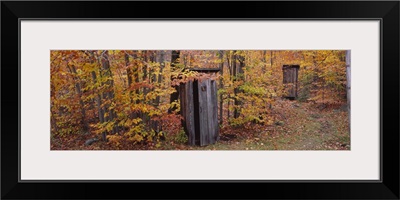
(199,109)
(290,80)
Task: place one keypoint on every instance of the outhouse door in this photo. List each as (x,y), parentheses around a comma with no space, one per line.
(207,113)
(290,79)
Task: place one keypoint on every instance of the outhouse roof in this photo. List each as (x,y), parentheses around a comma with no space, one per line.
(290,66)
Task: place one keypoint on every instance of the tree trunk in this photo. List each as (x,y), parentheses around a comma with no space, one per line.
(135,73)
(239,77)
(221,85)
(235,90)
(234,66)
(129,75)
(264,59)
(109,93)
(160,58)
(132,72)
(270,59)
(100,109)
(229,63)
(78,86)
(175,95)
(146,60)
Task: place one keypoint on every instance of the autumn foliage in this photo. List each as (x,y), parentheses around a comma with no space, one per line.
(128,97)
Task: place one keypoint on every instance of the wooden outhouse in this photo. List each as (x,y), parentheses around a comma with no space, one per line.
(290,80)
(199,109)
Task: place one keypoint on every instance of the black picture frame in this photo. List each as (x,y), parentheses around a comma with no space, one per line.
(386,11)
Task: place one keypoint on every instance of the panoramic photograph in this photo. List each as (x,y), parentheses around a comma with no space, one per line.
(200,100)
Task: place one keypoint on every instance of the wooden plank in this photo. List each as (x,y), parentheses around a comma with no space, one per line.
(291,75)
(196,111)
(203,115)
(284,76)
(190,113)
(214,101)
(186,99)
(290,80)
(210,112)
(184,108)
(182,98)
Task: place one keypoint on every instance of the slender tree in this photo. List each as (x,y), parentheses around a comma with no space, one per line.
(174,62)
(129,75)
(78,90)
(108,94)
(221,85)
(239,76)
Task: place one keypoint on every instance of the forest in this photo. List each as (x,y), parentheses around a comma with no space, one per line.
(200,100)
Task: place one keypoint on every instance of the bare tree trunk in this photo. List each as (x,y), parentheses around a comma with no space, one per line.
(230,64)
(129,75)
(234,57)
(270,59)
(229,104)
(152,76)
(264,59)
(235,90)
(160,58)
(221,85)
(239,77)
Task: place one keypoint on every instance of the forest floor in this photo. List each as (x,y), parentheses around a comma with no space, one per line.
(298,126)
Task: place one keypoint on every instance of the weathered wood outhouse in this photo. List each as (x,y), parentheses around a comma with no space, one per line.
(290,80)
(199,109)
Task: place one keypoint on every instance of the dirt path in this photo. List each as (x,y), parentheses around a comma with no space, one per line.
(308,127)
(311,128)
(303,126)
